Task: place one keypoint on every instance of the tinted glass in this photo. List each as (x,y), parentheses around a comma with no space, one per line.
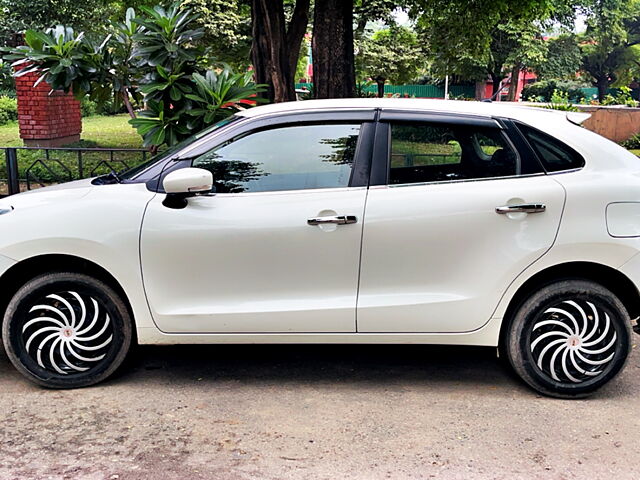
(135,171)
(422,152)
(289,158)
(554,155)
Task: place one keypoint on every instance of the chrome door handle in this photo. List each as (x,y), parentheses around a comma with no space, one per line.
(338,220)
(522,208)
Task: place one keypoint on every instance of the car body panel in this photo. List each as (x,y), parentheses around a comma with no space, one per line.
(250,263)
(100,224)
(437,257)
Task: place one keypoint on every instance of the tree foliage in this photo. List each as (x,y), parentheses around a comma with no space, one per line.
(392,54)
(608,45)
(21,15)
(156,51)
(474,39)
(563,58)
(227,29)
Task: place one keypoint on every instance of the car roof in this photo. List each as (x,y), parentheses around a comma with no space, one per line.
(487,109)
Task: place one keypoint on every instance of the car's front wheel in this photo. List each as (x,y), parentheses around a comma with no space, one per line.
(569,338)
(66,330)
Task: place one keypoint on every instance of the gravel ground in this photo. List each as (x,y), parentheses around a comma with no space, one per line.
(316,412)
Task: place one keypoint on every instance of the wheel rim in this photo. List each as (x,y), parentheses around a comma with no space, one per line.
(573,341)
(67,333)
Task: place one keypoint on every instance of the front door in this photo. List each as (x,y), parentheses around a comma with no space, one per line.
(276,249)
(437,254)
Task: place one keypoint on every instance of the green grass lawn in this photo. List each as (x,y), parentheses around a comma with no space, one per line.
(636,152)
(97,131)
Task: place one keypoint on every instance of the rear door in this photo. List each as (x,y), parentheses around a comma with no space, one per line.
(460,208)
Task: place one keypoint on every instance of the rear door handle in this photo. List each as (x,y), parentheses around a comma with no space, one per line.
(522,208)
(338,220)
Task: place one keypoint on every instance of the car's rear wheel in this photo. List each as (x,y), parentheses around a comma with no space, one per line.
(66,330)
(569,338)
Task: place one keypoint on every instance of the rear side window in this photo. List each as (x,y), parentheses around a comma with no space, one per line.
(426,152)
(554,155)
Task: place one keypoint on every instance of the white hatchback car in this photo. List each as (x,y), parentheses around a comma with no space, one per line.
(343,221)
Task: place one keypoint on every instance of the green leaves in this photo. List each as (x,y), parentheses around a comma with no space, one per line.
(154,54)
(167,38)
(66,59)
(193,102)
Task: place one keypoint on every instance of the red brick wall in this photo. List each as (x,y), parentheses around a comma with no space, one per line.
(46,118)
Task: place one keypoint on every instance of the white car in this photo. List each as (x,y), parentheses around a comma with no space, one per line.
(342,221)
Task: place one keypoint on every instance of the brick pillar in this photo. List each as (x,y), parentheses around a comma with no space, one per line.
(46,118)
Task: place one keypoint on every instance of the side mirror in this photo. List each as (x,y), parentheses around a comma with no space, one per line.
(185,183)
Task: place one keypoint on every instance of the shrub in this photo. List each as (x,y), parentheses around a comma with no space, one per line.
(621,97)
(8,110)
(543,91)
(560,101)
(88,107)
(632,143)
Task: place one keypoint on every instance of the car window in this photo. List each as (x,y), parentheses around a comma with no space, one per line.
(423,152)
(134,172)
(554,155)
(287,158)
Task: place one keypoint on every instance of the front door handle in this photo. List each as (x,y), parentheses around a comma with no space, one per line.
(338,220)
(522,208)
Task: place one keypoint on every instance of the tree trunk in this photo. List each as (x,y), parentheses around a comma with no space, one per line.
(603,86)
(295,33)
(127,103)
(332,47)
(275,48)
(380,82)
(495,86)
(513,83)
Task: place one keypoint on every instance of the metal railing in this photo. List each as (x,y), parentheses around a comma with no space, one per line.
(32,167)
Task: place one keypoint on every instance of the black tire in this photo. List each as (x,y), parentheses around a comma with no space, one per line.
(66,330)
(569,338)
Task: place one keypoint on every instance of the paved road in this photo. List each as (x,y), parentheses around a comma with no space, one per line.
(316,412)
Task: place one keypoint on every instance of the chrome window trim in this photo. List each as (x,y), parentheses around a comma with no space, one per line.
(465,180)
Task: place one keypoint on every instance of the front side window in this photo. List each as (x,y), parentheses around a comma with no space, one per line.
(295,157)
(424,152)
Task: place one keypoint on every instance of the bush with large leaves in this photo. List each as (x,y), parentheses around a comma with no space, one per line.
(192,106)
(155,54)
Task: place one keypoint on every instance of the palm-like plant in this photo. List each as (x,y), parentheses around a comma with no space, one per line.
(220,94)
(157,55)
(216,95)
(66,60)
(168,37)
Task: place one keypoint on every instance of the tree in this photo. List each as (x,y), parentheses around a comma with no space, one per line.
(157,51)
(227,29)
(276,45)
(332,49)
(392,54)
(476,39)
(563,59)
(613,29)
(20,15)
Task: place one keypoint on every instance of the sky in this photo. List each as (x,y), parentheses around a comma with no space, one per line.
(403,19)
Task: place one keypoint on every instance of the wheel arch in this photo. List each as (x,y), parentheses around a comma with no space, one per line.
(614,280)
(27,269)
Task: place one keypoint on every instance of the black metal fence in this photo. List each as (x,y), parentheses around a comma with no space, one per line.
(26,168)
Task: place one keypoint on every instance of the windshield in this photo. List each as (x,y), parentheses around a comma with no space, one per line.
(137,170)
